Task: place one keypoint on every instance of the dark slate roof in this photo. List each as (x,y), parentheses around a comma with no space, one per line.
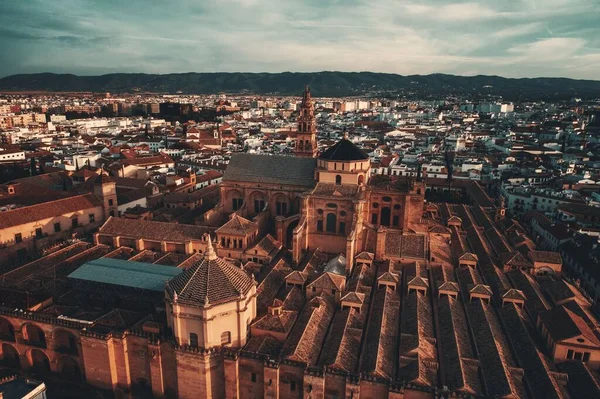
(344,150)
(273,169)
(210,281)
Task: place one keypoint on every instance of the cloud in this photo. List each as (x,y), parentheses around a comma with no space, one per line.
(518,30)
(453,12)
(397,36)
(555,48)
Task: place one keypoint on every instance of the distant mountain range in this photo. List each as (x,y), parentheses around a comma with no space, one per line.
(322,84)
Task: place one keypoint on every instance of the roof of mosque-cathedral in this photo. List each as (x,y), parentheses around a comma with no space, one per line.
(271,169)
(344,150)
(210,281)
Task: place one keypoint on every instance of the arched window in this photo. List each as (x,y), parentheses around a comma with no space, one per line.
(361,179)
(10,356)
(226,338)
(331,223)
(39,361)
(193,339)
(7,331)
(35,336)
(338,179)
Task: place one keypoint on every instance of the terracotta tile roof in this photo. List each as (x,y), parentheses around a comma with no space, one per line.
(342,350)
(468,256)
(388,277)
(382,334)
(365,256)
(146,229)
(264,344)
(210,281)
(335,190)
(449,286)
(148,161)
(405,245)
(307,337)
(480,289)
(582,379)
(328,281)
(354,297)
(282,322)
(47,210)
(563,324)
(537,370)
(238,226)
(418,281)
(557,290)
(514,294)
(545,256)
(515,259)
(269,245)
(436,228)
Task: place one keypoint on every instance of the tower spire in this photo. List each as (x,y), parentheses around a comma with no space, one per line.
(210,251)
(306,139)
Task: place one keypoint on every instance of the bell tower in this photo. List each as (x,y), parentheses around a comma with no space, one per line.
(306,139)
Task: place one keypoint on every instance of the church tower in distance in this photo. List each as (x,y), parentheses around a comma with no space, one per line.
(306,139)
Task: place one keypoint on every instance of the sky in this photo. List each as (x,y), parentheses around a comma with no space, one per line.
(512,38)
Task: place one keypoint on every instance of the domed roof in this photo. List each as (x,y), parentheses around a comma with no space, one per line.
(344,150)
(210,281)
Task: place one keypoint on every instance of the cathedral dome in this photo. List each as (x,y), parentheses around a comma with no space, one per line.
(210,281)
(344,150)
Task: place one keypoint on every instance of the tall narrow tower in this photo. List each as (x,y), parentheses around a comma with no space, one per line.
(306,139)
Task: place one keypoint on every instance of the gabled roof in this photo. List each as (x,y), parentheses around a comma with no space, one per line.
(563,324)
(419,281)
(282,322)
(364,255)
(237,225)
(388,277)
(449,286)
(514,294)
(354,297)
(480,289)
(268,245)
(436,228)
(329,281)
(296,276)
(47,210)
(514,258)
(469,257)
(545,256)
(271,169)
(151,230)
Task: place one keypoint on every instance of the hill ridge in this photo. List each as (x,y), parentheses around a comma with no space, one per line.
(324,84)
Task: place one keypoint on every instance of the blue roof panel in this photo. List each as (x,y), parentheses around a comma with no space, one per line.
(140,275)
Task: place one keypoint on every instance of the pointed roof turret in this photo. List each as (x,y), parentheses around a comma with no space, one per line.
(306,96)
(210,251)
(344,150)
(211,281)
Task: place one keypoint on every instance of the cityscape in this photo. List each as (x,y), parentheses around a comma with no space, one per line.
(424,232)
